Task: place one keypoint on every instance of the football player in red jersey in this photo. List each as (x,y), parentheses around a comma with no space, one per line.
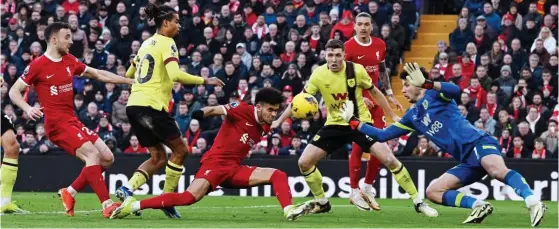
(52,74)
(370,52)
(243,127)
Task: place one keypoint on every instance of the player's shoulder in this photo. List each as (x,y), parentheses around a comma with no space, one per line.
(238,105)
(41,60)
(321,70)
(359,67)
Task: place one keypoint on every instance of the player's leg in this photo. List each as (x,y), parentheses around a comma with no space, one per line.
(399,171)
(356,197)
(488,153)
(106,155)
(373,165)
(8,171)
(307,165)
(174,168)
(444,191)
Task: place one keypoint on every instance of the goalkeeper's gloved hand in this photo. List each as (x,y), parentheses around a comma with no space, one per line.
(347,115)
(415,76)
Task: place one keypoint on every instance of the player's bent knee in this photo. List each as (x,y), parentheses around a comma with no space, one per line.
(107,159)
(434,192)
(304,164)
(88,153)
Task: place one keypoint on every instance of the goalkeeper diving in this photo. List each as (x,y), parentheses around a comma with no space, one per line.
(436,115)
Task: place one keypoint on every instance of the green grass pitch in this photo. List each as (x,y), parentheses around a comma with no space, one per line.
(250,212)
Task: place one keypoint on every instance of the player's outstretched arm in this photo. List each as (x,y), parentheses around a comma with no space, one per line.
(209,111)
(16,96)
(106,76)
(184,78)
(382,135)
(417,78)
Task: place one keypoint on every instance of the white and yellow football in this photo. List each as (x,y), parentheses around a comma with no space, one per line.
(304,106)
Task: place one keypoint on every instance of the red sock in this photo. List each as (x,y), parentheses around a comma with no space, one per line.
(95,179)
(281,188)
(373,167)
(80,182)
(168,200)
(355,165)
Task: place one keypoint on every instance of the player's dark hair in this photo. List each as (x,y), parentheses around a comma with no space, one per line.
(539,140)
(365,15)
(269,95)
(404,74)
(54,28)
(159,13)
(334,44)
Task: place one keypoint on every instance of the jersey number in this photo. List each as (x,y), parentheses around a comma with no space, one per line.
(151,63)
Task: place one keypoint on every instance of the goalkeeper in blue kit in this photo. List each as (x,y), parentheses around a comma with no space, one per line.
(436,115)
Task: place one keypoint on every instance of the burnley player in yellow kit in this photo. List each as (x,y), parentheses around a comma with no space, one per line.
(339,81)
(154,70)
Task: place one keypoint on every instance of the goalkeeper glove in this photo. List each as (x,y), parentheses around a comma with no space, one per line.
(415,76)
(347,115)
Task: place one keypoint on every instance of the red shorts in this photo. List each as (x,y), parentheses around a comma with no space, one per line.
(225,175)
(377,114)
(71,135)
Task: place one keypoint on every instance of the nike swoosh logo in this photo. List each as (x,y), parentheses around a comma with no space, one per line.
(248,124)
(48,77)
(359,57)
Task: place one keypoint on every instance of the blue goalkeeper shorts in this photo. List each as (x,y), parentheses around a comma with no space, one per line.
(470,169)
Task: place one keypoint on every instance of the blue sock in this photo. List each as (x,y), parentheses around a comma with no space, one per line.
(453,198)
(518,183)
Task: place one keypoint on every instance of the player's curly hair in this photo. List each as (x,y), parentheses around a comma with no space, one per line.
(54,28)
(269,95)
(159,13)
(404,74)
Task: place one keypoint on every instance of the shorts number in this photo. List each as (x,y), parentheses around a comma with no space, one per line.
(151,64)
(87,131)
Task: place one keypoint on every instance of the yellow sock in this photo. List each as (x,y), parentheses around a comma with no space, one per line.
(402,176)
(8,175)
(139,178)
(313,177)
(173,174)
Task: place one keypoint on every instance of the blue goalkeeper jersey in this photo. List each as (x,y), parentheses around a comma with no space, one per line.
(437,116)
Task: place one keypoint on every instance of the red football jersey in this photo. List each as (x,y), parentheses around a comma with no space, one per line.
(240,131)
(52,79)
(369,55)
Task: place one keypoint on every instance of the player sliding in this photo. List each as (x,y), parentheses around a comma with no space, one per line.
(8,171)
(370,52)
(155,68)
(221,165)
(436,116)
(51,74)
(339,81)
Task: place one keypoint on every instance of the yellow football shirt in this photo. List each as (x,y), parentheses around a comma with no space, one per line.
(333,88)
(152,84)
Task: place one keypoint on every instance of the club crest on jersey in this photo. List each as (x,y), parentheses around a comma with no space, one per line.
(425,104)
(68,70)
(316,137)
(378,55)
(234,104)
(351,82)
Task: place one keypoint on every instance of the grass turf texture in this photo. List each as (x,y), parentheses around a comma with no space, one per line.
(246,212)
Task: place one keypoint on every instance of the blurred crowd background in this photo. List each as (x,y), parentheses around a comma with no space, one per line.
(502,54)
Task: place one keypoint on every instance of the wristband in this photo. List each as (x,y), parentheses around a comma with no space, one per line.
(354,123)
(428,84)
(198,115)
(389,92)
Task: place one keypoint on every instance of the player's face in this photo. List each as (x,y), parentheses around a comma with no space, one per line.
(363,26)
(62,41)
(267,112)
(335,59)
(173,25)
(411,92)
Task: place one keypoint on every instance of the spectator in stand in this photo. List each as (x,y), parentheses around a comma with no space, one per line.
(536,121)
(493,19)
(487,30)
(506,122)
(549,42)
(118,114)
(487,121)
(461,36)
(527,135)
(424,148)
(29,146)
(443,65)
(105,130)
(496,55)
(345,25)
(286,133)
(183,117)
(516,16)
(505,141)
(509,30)
(529,33)
(518,150)
(294,149)
(201,147)
(112,145)
(467,65)
(443,47)
(550,137)
(457,77)
(539,151)
(398,31)
(506,81)
(484,80)
(465,13)
(135,147)
(541,52)
(474,6)
(471,117)
(91,118)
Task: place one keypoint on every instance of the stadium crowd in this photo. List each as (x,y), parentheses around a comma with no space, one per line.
(502,54)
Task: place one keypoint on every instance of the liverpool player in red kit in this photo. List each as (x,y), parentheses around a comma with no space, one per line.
(51,74)
(243,127)
(370,52)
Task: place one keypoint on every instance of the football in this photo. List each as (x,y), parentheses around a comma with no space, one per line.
(304,106)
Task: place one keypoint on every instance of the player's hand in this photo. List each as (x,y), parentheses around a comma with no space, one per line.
(394,101)
(396,118)
(214,81)
(368,102)
(347,115)
(43,148)
(415,77)
(34,113)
